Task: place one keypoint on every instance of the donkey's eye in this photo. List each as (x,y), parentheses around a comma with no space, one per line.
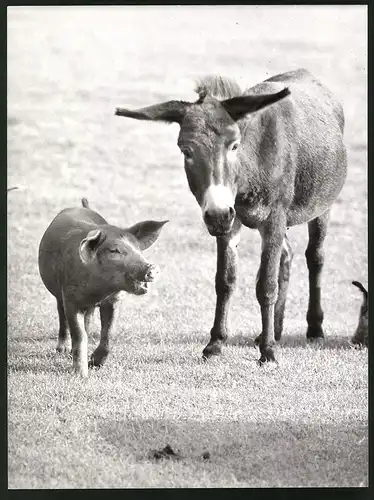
(235,146)
(187,153)
(114,250)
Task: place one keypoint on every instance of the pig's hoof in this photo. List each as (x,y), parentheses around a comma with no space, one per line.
(92,363)
(267,354)
(314,333)
(212,349)
(98,357)
(63,348)
(258,339)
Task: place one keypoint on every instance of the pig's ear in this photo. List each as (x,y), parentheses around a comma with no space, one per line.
(146,232)
(88,246)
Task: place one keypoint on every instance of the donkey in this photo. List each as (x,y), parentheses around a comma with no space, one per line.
(269,158)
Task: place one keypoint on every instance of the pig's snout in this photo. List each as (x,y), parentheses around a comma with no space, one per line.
(151,273)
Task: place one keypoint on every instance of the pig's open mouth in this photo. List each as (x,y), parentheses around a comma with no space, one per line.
(140,287)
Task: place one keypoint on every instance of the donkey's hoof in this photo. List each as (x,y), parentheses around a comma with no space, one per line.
(267,355)
(277,335)
(314,333)
(212,349)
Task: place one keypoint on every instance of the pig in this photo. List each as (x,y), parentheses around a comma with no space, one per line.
(361,336)
(85,263)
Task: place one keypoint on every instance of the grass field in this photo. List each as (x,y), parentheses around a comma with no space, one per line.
(304,423)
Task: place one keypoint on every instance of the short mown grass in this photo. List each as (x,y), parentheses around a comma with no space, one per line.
(305,420)
(301,423)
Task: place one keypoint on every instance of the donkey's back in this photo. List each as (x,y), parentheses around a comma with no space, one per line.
(311,86)
(307,92)
(302,138)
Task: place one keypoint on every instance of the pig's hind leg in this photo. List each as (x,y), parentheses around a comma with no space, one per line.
(64,340)
(98,357)
(88,318)
(75,319)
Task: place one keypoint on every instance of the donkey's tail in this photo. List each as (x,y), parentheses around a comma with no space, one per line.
(86,205)
(361,287)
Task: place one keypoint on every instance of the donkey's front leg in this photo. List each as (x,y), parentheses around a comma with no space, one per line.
(227,264)
(272,234)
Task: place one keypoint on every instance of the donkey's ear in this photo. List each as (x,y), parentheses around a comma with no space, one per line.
(237,107)
(88,246)
(146,232)
(170,111)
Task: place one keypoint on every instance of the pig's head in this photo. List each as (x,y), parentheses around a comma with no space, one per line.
(116,257)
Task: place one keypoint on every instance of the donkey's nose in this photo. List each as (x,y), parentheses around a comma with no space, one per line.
(151,273)
(219,221)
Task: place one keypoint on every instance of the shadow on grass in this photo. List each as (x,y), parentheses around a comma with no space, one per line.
(33,340)
(244,452)
(295,341)
(40,363)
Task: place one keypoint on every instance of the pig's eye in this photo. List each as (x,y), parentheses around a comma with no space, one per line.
(114,251)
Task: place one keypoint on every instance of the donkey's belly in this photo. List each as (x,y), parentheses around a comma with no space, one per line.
(254,217)
(297,215)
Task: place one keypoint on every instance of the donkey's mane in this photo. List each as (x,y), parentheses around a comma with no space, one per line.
(218,87)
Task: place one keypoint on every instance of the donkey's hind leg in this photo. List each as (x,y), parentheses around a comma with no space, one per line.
(314,254)
(283,280)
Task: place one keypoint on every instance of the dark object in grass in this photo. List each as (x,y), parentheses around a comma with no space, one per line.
(85,262)
(169,453)
(166,452)
(268,158)
(361,336)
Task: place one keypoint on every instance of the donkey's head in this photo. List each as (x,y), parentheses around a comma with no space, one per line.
(209,139)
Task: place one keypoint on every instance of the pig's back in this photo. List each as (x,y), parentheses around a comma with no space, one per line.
(69,227)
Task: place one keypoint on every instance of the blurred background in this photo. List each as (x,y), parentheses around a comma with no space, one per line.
(69,67)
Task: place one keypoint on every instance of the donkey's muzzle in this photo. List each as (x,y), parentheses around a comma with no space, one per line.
(219,222)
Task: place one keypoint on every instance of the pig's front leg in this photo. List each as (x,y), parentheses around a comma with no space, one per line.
(78,334)
(98,357)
